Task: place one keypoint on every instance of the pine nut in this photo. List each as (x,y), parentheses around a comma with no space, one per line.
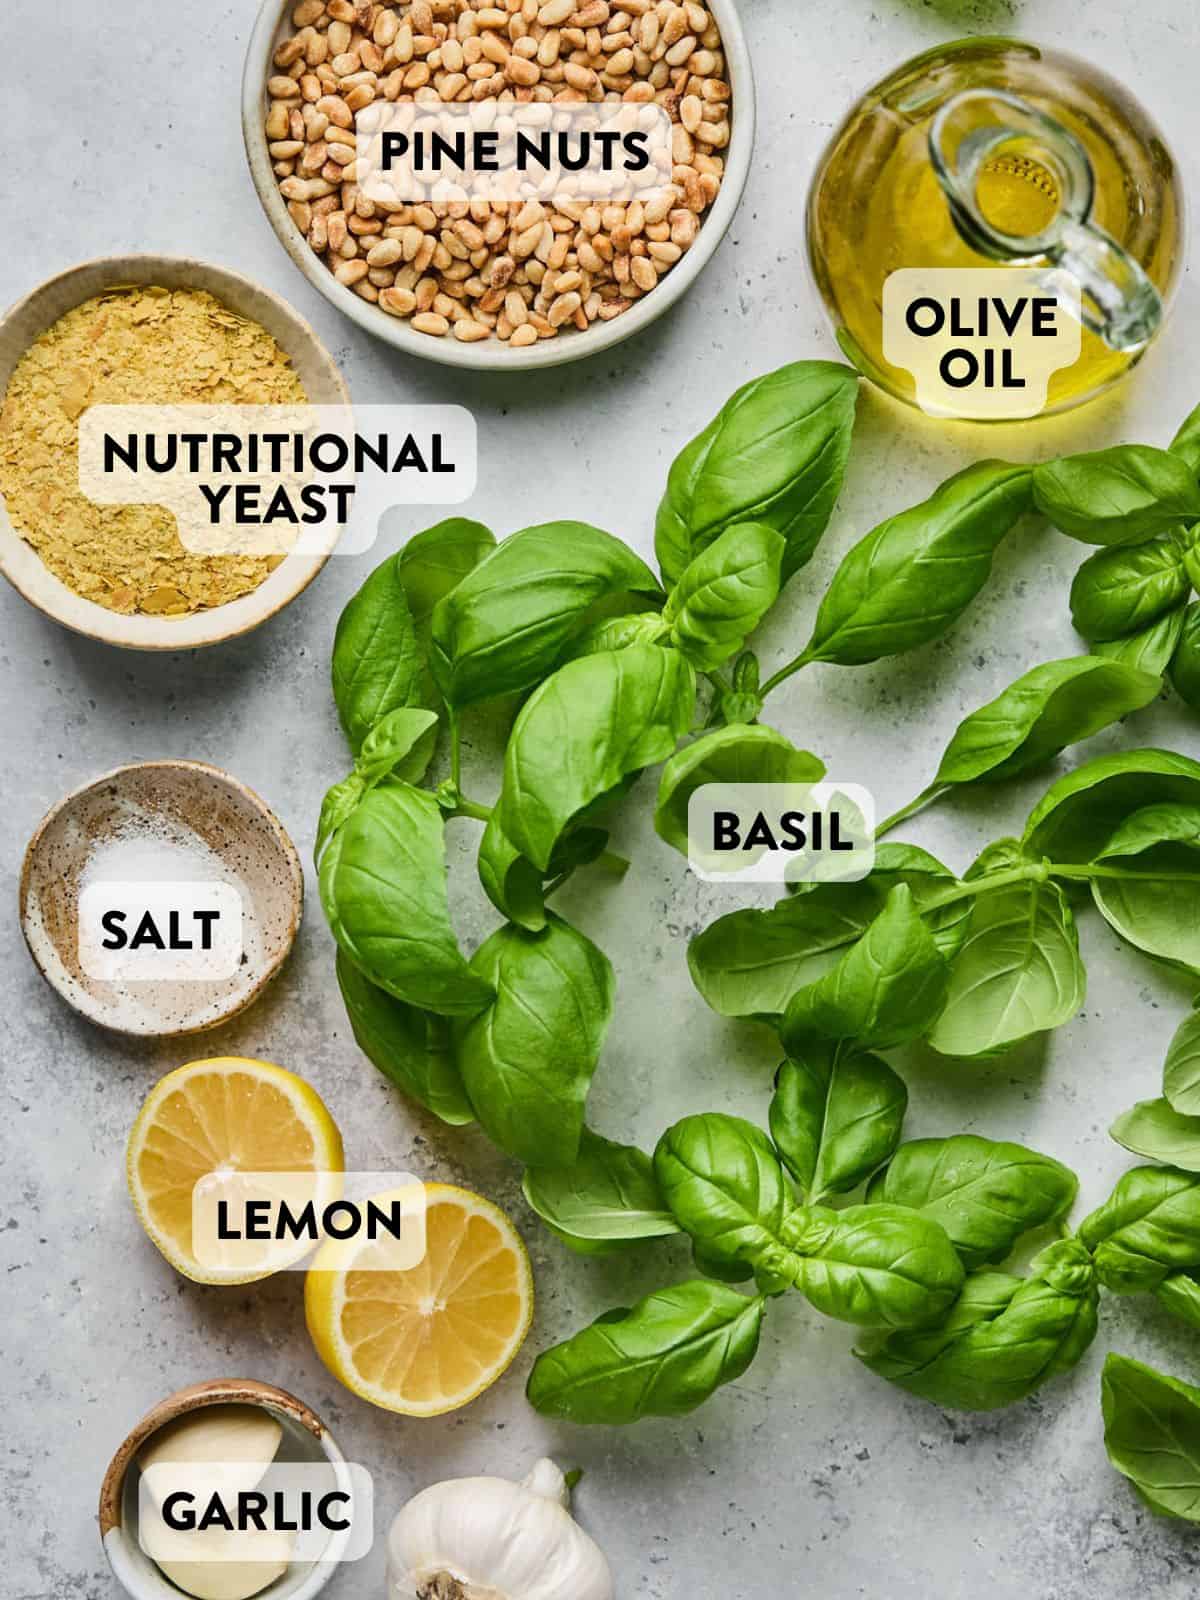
(398,302)
(518,272)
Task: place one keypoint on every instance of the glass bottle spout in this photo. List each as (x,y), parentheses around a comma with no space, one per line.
(1021,188)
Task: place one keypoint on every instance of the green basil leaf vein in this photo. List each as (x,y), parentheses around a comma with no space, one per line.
(724,592)
(527,1060)
(986,1193)
(911,578)
(604,1200)
(409,1046)
(505,625)
(662,1358)
(1152,1435)
(775,453)
(590,726)
(383,889)
(1043,711)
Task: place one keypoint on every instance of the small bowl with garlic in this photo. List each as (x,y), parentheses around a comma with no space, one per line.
(497,286)
(231,1430)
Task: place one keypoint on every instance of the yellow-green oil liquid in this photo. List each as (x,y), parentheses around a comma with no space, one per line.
(877,205)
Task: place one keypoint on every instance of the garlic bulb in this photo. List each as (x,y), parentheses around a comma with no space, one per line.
(489,1539)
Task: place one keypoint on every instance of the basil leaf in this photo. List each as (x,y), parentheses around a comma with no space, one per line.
(436,561)
(750,963)
(927,878)
(1148,1228)
(1181,1070)
(1157,906)
(903,1355)
(615,633)
(1150,649)
(409,1046)
(527,1061)
(724,1186)
(663,1358)
(985,1193)
(1180,1295)
(587,728)
(835,1122)
(1171,822)
(737,753)
(999,1345)
(1186,443)
(877,1266)
(513,884)
(724,592)
(775,453)
(399,745)
(1123,589)
(377,663)
(913,576)
(1046,709)
(887,989)
(383,888)
(1185,663)
(1122,495)
(722,1271)
(1018,972)
(1154,1129)
(337,805)
(1076,816)
(1152,1435)
(504,626)
(604,1200)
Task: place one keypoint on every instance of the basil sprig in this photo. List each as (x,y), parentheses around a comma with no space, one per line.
(616,674)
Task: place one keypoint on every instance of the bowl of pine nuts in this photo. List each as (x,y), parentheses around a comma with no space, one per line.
(497,285)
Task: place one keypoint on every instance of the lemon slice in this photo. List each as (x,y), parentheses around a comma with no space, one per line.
(426,1340)
(207,1123)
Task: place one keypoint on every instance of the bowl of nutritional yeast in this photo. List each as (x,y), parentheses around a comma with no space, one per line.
(149,331)
(484,282)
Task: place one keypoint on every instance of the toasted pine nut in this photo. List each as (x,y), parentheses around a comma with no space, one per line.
(521,271)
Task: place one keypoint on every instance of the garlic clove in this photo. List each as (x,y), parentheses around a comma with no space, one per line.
(490,1539)
(237,1442)
(217,1567)
(549,1481)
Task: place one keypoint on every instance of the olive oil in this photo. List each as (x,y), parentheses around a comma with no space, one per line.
(879,203)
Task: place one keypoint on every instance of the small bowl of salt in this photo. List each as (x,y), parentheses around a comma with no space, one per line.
(160,899)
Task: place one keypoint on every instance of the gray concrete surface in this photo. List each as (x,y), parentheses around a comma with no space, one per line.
(809,1476)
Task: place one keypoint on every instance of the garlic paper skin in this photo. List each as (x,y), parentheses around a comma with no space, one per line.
(490,1539)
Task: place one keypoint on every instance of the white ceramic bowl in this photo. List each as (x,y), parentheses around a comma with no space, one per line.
(489,354)
(308,1439)
(314,366)
(224,816)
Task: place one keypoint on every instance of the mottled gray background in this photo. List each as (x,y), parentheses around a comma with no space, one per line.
(809,1476)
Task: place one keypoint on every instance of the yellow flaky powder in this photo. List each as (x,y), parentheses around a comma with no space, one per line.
(130,346)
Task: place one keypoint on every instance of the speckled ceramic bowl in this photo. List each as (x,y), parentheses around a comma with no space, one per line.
(306,1438)
(205,804)
(491,355)
(314,366)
